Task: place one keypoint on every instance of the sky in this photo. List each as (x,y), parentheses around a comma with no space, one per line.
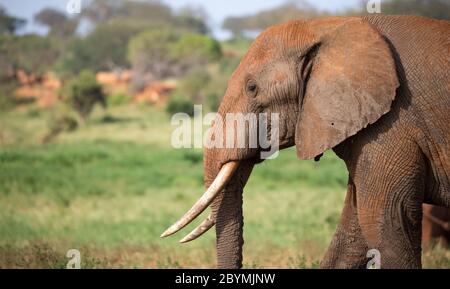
(217,10)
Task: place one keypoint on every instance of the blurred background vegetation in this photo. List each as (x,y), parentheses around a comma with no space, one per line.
(85,156)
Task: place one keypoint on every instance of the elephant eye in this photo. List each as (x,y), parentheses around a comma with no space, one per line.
(251,88)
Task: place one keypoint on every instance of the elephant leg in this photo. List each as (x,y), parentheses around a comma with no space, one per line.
(390,192)
(348,248)
(394,230)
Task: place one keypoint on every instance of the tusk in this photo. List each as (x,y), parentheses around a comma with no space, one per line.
(223,177)
(207,224)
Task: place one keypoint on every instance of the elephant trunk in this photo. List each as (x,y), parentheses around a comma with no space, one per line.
(228,214)
(229,229)
(226,173)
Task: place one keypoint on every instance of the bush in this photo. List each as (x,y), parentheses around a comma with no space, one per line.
(61,122)
(179,104)
(117,99)
(83,92)
(161,53)
(213,101)
(32,53)
(196,49)
(6,101)
(193,85)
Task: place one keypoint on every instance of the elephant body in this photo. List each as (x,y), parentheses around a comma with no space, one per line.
(403,159)
(374,89)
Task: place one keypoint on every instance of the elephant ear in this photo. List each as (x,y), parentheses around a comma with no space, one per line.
(352,83)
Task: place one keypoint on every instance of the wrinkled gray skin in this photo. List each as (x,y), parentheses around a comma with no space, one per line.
(373,89)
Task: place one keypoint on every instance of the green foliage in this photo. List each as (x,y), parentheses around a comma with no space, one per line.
(213,100)
(196,49)
(192,20)
(154,43)
(117,99)
(149,54)
(161,53)
(228,64)
(57,22)
(193,156)
(50,17)
(8,23)
(83,92)
(32,53)
(7,101)
(201,87)
(193,85)
(216,87)
(116,22)
(261,20)
(152,13)
(63,121)
(178,103)
(105,48)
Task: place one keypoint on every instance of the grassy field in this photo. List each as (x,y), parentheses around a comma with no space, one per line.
(112,186)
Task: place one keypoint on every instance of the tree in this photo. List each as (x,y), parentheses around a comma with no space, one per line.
(152,13)
(193,20)
(57,22)
(236,25)
(161,53)
(9,24)
(32,53)
(104,10)
(195,49)
(193,85)
(149,54)
(105,48)
(100,10)
(83,92)
(257,22)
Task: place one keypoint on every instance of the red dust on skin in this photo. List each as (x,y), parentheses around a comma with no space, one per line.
(348,102)
(280,76)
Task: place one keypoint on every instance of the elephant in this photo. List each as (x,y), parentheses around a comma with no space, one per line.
(375,90)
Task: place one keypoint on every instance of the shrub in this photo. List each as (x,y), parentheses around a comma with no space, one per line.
(161,53)
(117,99)
(213,101)
(6,102)
(83,92)
(179,104)
(196,49)
(62,122)
(193,85)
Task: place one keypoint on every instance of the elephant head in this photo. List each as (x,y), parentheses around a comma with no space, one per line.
(327,79)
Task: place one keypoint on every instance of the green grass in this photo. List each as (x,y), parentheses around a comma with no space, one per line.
(111,187)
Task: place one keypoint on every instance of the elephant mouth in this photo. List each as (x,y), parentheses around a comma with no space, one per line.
(223,177)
